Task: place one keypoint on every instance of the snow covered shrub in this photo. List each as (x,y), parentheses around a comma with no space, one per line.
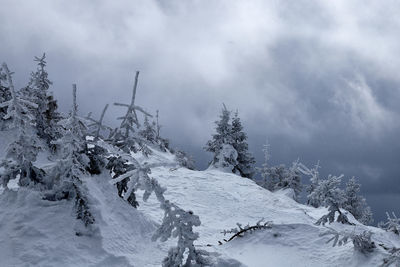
(330,195)
(392,224)
(355,203)
(239,231)
(362,242)
(229,146)
(184,160)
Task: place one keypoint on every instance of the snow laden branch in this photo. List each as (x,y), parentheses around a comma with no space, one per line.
(362,242)
(239,231)
(177,223)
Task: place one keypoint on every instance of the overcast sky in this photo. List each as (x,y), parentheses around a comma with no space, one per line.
(318,79)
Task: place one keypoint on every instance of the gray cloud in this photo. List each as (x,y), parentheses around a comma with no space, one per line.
(318,79)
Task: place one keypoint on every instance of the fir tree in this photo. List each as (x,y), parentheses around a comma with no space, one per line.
(355,203)
(221,145)
(331,196)
(22,153)
(314,181)
(46,114)
(72,165)
(5,96)
(245,160)
(279,177)
(148,133)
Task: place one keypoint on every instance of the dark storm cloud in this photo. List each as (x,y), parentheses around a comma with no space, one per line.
(319,80)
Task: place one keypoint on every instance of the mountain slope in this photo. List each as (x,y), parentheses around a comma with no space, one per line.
(35,232)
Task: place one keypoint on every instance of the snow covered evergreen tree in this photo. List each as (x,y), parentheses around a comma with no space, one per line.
(292,179)
(392,224)
(314,181)
(126,136)
(5,96)
(72,165)
(245,160)
(355,203)
(279,177)
(184,160)
(148,132)
(331,196)
(22,153)
(46,114)
(229,147)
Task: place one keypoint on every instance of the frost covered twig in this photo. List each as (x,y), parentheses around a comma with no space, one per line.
(239,230)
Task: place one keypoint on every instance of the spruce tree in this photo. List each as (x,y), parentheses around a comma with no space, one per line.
(5,96)
(22,153)
(46,114)
(221,144)
(355,203)
(245,160)
(72,165)
(148,133)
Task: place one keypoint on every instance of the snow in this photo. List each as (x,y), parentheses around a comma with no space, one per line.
(36,232)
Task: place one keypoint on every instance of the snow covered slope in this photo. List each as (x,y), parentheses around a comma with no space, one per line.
(223,199)
(35,232)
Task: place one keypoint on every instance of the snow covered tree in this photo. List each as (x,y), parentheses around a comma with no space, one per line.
(222,145)
(37,91)
(392,224)
(148,132)
(279,177)
(72,165)
(96,127)
(222,137)
(265,169)
(22,153)
(245,160)
(292,179)
(355,203)
(126,136)
(314,180)
(184,160)
(331,196)
(5,96)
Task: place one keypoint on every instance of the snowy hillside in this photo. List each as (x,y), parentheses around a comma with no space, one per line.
(36,232)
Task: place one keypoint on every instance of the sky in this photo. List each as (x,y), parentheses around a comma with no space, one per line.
(317,80)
